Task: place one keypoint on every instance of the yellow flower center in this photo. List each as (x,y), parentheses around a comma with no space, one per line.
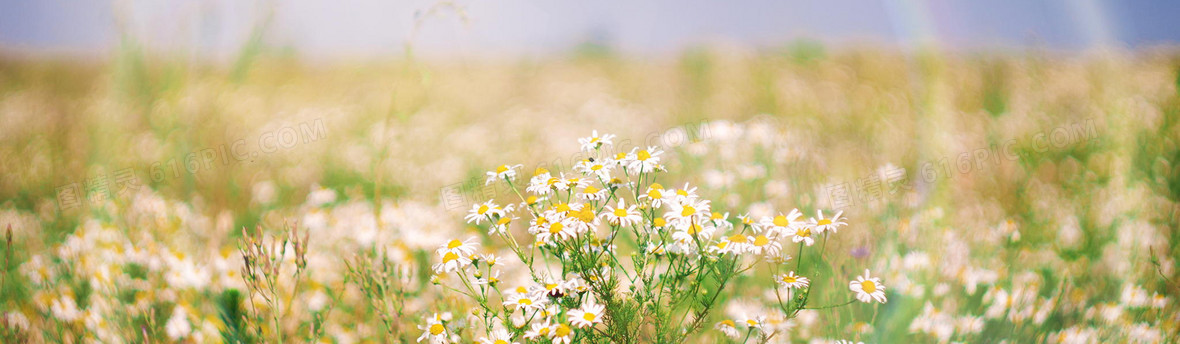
(806,232)
(868,286)
(531,200)
(728,322)
(682,192)
(716,216)
(737,238)
(454,244)
(694,229)
(552,181)
(521,290)
(540,171)
(789,279)
(688,210)
(544,331)
(823,222)
(761,240)
(722,245)
(450,257)
(562,207)
(502,169)
(586,215)
(620,156)
(500,341)
(654,194)
(751,322)
(555,228)
(482,209)
(525,302)
(562,330)
(620,212)
(590,189)
(550,286)
(643,155)
(659,222)
(781,221)
(437,329)
(589,316)
(504,220)
(595,167)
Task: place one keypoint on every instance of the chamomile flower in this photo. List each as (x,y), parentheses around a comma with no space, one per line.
(760,244)
(686,212)
(868,288)
(803,234)
(501,225)
(589,315)
(599,168)
(728,327)
(782,223)
(502,172)
(622,215)
(655,195)
(571,183)
(554,289)
(499,336)
(695,231)
(555,231)
(485,210)
(757,322)
(644,160)
(451,262)
(463,248)
(434,331)
(541,183)
(791,281)
(832,224)
(594,142)
(539,330)
(591,193)
(524,300)
(561,334)
(685,194)
(736,244)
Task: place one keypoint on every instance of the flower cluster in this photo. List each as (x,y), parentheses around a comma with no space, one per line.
(610,251)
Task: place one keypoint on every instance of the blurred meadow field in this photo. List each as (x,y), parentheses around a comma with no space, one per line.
(992,197)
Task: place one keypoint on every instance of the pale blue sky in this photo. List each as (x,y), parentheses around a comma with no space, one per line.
(362,28)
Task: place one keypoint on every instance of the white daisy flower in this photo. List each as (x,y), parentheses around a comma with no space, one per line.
(728,328)
(485,210)
(622,216)
(594,142)
(831,224)
(803,234)
(541,183)
(524,301)
(685,194)
(600,168)
(868,288)
(781,223)
(463,248)
(434,331)
(654,195)
(762,245)
(735,244)
(682,214)
(501,225)
(499,336)
(561,334)
(644,160)
(556,231)
(539,330)
(591,193)
(589,315)
(451,262)
(695,231)
(502,172)
(791,281)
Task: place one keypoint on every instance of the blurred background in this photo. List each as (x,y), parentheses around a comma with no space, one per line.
(139,137)
(479,29)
